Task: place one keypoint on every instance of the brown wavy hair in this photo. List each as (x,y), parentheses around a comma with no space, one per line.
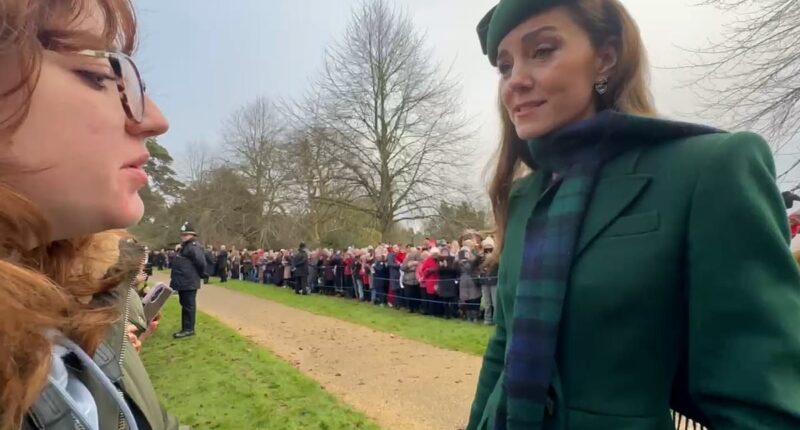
(605,21)
(50,285)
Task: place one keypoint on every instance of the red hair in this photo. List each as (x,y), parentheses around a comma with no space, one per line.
(48,286)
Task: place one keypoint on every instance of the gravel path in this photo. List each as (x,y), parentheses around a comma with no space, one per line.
(399,383)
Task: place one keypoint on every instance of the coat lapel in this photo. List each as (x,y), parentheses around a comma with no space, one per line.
(618,187)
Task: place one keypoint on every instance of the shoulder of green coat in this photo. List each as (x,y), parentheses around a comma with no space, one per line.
(744,149)
(716,151)
(711,145)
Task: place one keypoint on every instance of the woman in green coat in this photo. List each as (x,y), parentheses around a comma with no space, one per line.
(644,264)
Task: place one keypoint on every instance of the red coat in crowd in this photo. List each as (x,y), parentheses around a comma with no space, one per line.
(257,256)
(794,223)
(429,274)
(366,266)
(348,266)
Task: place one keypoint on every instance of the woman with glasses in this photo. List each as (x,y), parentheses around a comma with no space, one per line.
(644,264)
(73,122)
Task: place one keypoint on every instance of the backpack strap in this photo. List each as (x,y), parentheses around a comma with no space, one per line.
(51,410)
(106,360)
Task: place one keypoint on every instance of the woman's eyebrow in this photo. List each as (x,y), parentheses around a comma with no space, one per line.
(528,38)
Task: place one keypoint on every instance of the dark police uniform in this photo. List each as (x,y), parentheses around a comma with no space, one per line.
(188,270)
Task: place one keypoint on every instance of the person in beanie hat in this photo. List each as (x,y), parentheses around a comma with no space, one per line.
(488,281)
(632,281)
(469,289)
(300,270)
(188,270)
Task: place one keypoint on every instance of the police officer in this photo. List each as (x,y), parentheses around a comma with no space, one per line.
(188,269)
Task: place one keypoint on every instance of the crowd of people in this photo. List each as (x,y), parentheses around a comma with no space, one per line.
(448,280)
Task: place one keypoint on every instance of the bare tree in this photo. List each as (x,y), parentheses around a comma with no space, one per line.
(255,140)
(222,207)
(752,75)
(198,161)
(314,187)
(392,115)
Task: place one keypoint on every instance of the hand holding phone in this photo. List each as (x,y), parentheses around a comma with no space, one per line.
(155,300)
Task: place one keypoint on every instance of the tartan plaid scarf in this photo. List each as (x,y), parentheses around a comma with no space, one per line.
(573,157)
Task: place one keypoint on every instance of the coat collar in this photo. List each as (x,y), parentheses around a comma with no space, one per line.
(531,186)
(619,184)
(617,189)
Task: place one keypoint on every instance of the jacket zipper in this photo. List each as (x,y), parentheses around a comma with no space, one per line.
(77,422)
(121,425)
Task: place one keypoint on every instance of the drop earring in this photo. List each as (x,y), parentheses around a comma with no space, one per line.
(601,86)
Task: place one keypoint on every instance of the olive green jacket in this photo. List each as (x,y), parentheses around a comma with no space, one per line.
(683,293)
(133,378)
(122,365)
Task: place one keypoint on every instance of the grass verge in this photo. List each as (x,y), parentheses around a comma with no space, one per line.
(220,380)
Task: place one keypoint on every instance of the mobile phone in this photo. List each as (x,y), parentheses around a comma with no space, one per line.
(155,300)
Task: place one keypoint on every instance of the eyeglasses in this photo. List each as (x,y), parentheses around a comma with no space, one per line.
(129,83)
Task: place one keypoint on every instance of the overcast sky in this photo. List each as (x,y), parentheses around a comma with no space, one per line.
(202,59)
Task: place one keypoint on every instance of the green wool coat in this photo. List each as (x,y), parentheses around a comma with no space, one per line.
(683,285)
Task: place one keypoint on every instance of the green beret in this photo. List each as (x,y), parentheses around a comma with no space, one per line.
(504,17)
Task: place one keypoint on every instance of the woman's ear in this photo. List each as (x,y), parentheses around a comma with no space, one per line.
(607,56)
